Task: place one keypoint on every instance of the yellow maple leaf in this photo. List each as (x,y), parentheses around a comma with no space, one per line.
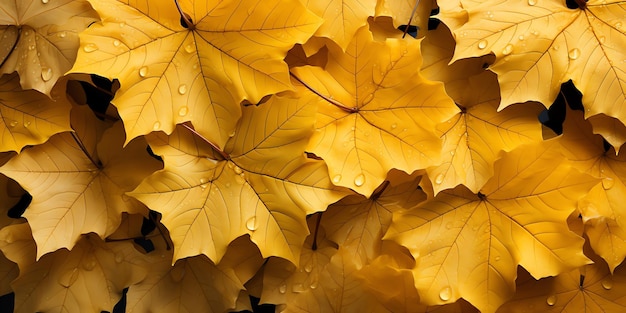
(194,284)
(375,111)
(76,192)
(468,246)
(90,278)
(540,44)
(602,209)
(591,289)
(29,117)
(40,39)
(170,74)
(260,184)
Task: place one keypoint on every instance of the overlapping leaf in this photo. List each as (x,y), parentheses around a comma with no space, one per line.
(194,284)
(375,111)
(28,117)
(90,278)
(75,192)
(170,74)
(260,184)
(468,246)
(39,39)
(602,209)
(540,44)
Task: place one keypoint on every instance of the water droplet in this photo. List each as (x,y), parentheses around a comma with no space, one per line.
(482,44)
(507,49)
(44,1)
(551,300)
(282,288)
(298,288)
(445,294)
(189,48)
(156,126)
(203,180)
(119,257)
(607,183)
(314,284)
(89,263)
(46,73)
(439,179)
(521,37)
(116,43)
(618,25)
(68,278)
(367,99)
(574,54)
(452,153)
(237,170)
(555,47)
(308,267)
(143,71)
(337,179)
(359,180)
(31,47)
(602,39)
(394,126)
(449,225)
(26,124)
(177,273)
(13,123)
(497,258)
(90,47)
(607,283)
(251,224)
(532,2)
(183,111)
(182,89)
(122,24)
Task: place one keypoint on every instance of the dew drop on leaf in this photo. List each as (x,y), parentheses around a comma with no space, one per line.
(189,48)
(497,259)
(13,123)
(183,111)
(68,278)
(482,44)
(44,1)
(521,37)
(314,284)
(551,300)
(156,126)
(182,89)
(62,34)
(298,288)
(507,49)
(90,47)
(251,224)
(445,294)
(282,288)
(607,283)
(337,179)
(116,43)
(177,273)
(608,183)
(308,267)
(602,39)
(46,73)
(618,25)
(439,179)
(574,54)
(237,170)
(89,263)
(449,225)
(119,257)
(143,71)
(532,2)
(26,124)
(359,180)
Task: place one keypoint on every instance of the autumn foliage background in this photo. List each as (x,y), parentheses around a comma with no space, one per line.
(189,156)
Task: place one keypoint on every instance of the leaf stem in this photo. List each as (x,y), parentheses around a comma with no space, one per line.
(317,227)
(184,16)
(84,149)
(330,100)
(158,226)
(216,148)
(408,24)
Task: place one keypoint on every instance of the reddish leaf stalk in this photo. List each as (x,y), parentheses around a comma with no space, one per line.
(215,148)
(408,24)
(331,101)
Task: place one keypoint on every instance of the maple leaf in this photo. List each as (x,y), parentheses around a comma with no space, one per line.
(357,224)
(591,288)
(170,74)
(342,18)
(75,192)
(260,184)
(40,39)
(602,208)
(29,117)
(375,111)
(194,284)
(469,245)
(474,137)
(540,44)
(90,278)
